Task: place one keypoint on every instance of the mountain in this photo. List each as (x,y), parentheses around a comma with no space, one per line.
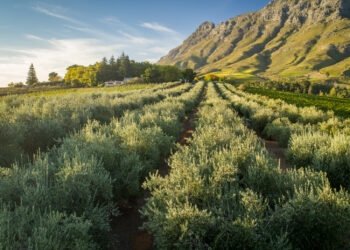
(287,38)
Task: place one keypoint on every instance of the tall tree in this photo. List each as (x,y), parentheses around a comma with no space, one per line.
(124,68)
(31,78)
(104,60)
(112,60)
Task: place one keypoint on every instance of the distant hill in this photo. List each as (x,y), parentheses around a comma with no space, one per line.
(287,38)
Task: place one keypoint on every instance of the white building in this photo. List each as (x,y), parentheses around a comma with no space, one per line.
(125,81)
(113,83)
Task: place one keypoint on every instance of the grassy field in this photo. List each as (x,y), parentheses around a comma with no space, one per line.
(46,91)
(340,106)
(238,77)
(19,91)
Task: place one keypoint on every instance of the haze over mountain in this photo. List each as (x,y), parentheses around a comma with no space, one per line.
(286,38)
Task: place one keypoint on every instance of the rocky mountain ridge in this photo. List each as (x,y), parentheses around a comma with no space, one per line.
(286,37)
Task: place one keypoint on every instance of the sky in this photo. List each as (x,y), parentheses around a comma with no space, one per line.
(54,34)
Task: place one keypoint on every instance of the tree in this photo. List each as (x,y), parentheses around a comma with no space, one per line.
(31,78)
(333,92)
(188,74)
(125,67)
(170,73)
(54,77)
(112,60)
(104,60)
(152,74)
(103,72)
(16,85)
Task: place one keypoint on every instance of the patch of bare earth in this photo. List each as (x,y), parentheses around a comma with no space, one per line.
(278,152)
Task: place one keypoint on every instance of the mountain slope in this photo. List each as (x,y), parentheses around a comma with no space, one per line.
(287,38)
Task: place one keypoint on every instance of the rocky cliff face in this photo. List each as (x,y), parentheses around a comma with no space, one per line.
(287,37)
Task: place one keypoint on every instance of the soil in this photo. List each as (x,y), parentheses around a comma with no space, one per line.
(278,152)
(126,227)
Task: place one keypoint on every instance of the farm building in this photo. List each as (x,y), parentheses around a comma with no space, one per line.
(113,83)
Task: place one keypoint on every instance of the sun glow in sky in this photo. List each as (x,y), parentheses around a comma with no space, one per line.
(56,34)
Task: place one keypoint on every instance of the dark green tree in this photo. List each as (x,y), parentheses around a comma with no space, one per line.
(112,60)
(53,76)
(188,74)
(152,74)
(170,73)
(31,78)
(125,66)
(103,73)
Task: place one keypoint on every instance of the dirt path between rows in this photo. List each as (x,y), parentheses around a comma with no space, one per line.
(126,226)
(278,152)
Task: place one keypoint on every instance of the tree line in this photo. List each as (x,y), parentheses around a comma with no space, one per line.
(117,70)
(111,70)
(100,72)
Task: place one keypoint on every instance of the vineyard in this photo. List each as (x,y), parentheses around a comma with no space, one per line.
(183,165)
(340,106)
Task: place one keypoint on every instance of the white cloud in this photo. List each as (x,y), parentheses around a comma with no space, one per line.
(59,54)
(157,27)
(33,37)
(152,60)
(53,13)
(90,46)
(110,20)
(93,32)
(137,39)
(159,50)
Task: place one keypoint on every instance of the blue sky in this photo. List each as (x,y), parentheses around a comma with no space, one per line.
(55,34)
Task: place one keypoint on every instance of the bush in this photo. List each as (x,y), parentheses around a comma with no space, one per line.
(30,124)
(322,152)
(27,228)
(314,219)
(334,159)
(301,148)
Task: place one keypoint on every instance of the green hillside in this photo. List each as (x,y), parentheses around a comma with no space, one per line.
(288,39)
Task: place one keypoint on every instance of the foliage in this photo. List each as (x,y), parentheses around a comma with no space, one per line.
(211,77)
(225,191)
(31,78)
(340,106)
(119,69)
(79,180)
(162,73)
(53,89)
(314,220)
(189,75)
(301,87)
(322,152)
(103,71)
(314,138)
(29,124)
(16,85)
(28,228)
(54,77)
